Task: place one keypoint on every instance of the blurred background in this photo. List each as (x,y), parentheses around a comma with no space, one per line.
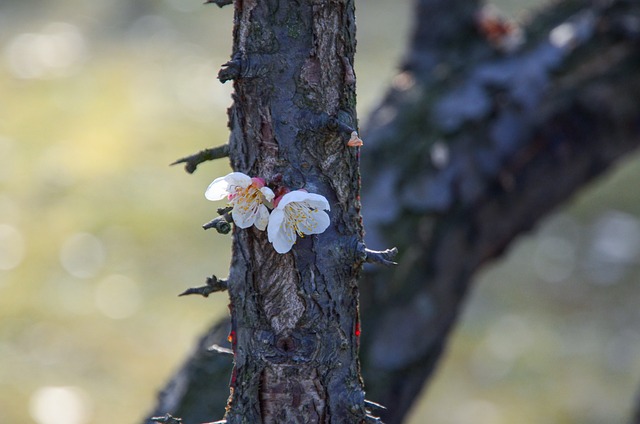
(98,234)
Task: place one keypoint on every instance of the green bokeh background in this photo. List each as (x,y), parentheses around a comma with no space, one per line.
(98,235)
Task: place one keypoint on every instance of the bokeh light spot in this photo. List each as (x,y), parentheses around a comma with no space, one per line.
(12,247)
(82,255)
(478,411)
(555,258)
(53,52)
(7,160)
(509,337)
(60,405)
(615,245)
(117,296)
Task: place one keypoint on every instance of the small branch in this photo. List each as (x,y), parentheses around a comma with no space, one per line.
(225,211)
(375,405)
(167,419)
(230,70)
(222,224)
(213,285)
(382,257)
(239,67)
(192,162)
(217,422)
(370,419)
(220,349)
(219,3)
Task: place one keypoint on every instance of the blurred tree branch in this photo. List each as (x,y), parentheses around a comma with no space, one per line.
(478,138)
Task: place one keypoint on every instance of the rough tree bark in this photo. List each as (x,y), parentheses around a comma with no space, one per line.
(492,143)
(294,316)
(470,148)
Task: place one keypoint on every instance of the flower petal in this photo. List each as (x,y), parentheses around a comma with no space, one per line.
(222,186)
(245,217)
(317,223)
(301,196)
(238,179)
(317,201)
(292,196)
(281,235)
(282,241)
(275,221)
(262,218)
(217,190)
(267,193)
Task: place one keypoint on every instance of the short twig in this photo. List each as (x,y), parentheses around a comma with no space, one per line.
(222,224)
(375,405)
(230,70)
(213,285)
(167,419)
(225,210)
(192,162)
(382,257)
(219,3)
(220,349)
(370,419)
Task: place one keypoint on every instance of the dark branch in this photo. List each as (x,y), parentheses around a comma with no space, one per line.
(382,257)
(167,419)
(213,285)
(246,68)
(546,120)
(219,3)
(184,395)
(192,162)
(370,419)
(371,404)
(222,224)
(221,349)
(230,70)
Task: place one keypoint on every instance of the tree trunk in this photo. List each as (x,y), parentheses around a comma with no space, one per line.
(294,315)
(471,147)
(508,138)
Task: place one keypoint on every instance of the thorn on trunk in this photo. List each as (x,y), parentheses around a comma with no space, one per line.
(230,70)
(243,67)
(376,405)
(381,257)
(220,349)
(192,162)
(219,3)
(221,224)
(167,419)
(370,419)
(213,285)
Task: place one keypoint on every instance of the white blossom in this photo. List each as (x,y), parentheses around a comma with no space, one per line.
(297,213)
(248,196)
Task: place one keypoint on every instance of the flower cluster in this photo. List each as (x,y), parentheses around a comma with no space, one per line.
(296,213)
